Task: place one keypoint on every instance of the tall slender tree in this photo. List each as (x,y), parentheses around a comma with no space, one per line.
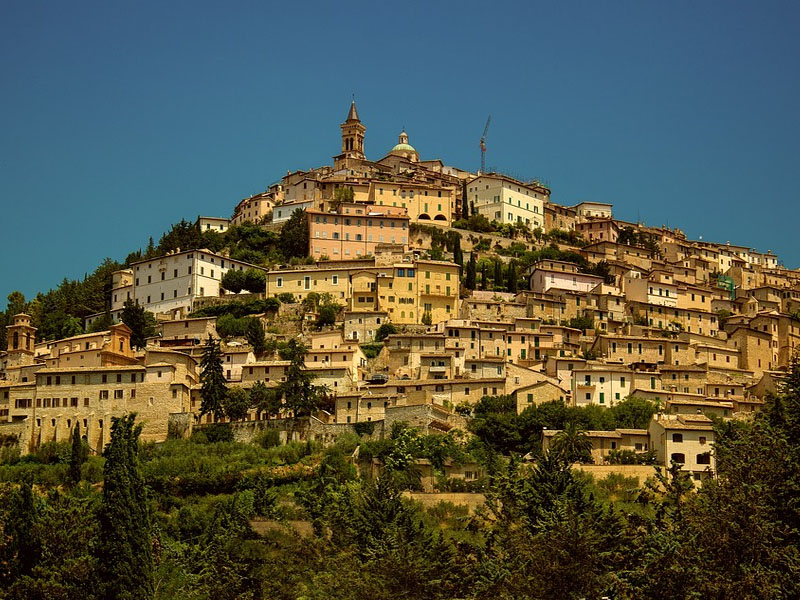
(511,277)
(484,276)
(125,546)
(78,454)
(498,273)
(472,267)
(212,378)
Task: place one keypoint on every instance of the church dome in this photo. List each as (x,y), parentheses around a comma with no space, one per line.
(403,148)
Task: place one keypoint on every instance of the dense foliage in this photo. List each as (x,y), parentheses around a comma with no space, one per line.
(226,521)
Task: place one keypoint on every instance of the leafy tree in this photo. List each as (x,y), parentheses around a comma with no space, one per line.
(233,281)
(101,323)
(294,235)
(384,331)
(633,413)
(237,403)
(212,378)
(287,298)
(183,236)
(229,326)
(326,316)
(265,400)
(78,455)
(125,547)
(256,336)
(255,281)
(140,322)
(427,318)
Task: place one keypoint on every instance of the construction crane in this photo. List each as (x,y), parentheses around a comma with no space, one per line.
(483,144)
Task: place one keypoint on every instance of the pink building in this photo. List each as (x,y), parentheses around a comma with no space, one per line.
(560,275)
(355,229)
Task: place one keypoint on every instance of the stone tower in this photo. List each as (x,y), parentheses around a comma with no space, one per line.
(21,336)
(353,135)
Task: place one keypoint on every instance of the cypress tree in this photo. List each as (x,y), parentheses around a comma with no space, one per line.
(124,548)
(511,281)
(78,455)
(471,272)
(465,210)
(498,273)
(25,546)
(458,255)
(484,276)
(213,387)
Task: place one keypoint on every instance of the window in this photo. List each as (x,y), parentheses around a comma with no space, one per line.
(704,458)
(678,457)
(677,438)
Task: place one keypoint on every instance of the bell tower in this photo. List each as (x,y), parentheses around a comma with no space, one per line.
(353,134)
(21,337)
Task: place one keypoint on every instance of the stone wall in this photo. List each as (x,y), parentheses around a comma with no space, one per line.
(296,430)
(422,416)
(16,433)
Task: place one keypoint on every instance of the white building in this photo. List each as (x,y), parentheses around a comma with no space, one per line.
(506,200)
(215,224)
(172,282)
(592,210)
(283,212)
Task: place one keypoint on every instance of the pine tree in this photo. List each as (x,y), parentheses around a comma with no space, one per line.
(139,321)
(299,394)
(125,547)
(471,272)
(78,455)
(511,282)
(212,378)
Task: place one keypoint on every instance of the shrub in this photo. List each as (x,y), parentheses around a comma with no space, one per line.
(269,438)
(287,298)
(217,432)
(385,331)
(364,428)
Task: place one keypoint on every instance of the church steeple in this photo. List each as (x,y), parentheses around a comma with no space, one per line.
(353,134)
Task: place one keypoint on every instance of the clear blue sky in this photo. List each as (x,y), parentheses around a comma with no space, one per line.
(118,119)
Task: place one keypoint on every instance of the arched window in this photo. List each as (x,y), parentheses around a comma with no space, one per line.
(704,458)
(678,457)
(16,340)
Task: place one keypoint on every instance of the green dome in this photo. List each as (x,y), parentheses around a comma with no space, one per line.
(403,148)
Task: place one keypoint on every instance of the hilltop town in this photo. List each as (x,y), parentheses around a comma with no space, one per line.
(412,290)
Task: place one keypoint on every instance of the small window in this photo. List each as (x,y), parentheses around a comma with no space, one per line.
(678,457)
(677,438)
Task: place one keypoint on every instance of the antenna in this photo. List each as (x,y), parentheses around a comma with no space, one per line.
(483,144)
